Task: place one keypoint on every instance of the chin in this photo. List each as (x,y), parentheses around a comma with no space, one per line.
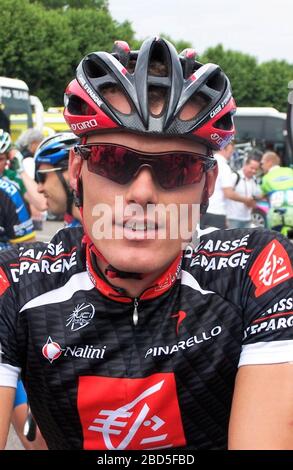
(141,261)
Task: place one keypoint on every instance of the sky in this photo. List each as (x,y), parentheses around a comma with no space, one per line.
(262,28)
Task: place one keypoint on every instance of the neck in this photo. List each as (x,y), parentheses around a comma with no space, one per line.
(151,285)
(132,287)
(76,212)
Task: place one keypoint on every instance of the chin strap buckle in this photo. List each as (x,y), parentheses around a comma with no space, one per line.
(113,273)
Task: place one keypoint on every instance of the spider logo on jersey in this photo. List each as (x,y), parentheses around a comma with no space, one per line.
(81,316)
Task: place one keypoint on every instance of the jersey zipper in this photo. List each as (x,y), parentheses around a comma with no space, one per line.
(135,311)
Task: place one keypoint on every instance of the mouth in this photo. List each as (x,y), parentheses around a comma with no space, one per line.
(140,225)
(135,229)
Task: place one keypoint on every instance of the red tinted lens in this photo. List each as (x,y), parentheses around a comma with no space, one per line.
(175,170)
(120,164)
(112,162)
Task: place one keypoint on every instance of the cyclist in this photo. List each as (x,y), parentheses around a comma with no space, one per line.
(15,223)
(125,341)
(5,170)
(277,186)
(10,211)
(51,162)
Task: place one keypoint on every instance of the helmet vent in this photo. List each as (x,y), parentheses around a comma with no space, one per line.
(225,122)
(216,81)
(94,70)
(194,106)
(158,92)
(158,61)
(79,107)
(115,96)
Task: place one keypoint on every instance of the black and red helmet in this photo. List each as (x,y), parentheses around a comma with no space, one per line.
(184,79)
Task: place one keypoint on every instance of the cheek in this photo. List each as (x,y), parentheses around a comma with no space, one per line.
(101,199)
(190,194)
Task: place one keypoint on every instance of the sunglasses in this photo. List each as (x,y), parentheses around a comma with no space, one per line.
(121,164)
(41,175)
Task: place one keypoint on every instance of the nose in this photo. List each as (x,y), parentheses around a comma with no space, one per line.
(40,188)
(143,189)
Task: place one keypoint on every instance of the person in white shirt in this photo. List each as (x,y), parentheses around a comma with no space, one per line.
(224,189)
(245,184)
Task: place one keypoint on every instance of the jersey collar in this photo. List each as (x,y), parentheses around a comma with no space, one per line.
(161,285)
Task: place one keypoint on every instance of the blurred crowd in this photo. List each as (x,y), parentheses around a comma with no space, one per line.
(238,193)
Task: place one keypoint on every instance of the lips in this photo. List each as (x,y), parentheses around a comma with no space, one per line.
(140,225)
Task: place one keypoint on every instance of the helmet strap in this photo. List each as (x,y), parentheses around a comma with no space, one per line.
(205,199)
(68,192)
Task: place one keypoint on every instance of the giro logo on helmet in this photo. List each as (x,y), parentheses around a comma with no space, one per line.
(92,123)
(219,140)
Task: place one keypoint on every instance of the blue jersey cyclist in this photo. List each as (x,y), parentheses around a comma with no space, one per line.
(125,337)
(51,160)
(15,223)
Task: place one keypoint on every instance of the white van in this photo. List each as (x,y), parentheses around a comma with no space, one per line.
(266,128)
(15,108)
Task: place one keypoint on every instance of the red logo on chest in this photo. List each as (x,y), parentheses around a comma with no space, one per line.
(271,267)
(129,414)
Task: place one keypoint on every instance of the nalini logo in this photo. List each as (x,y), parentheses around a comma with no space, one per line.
(81,316)
(51,350)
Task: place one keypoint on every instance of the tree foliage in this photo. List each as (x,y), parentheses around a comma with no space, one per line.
(42,41)
(53,4)
(96,30)
(43,46)
(275,76)
(242,70)
(253,84)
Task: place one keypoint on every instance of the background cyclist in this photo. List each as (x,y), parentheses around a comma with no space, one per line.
(51,162)
(277,186)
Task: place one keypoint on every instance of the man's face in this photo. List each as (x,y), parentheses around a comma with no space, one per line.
(251,169)
(53,190)
(265,164)
(140,240)
(3,161)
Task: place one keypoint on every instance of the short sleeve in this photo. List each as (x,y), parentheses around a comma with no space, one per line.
(9,363)
(16,221)
(268,309)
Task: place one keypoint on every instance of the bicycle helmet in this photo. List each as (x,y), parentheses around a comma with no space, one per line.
(54,151)
(5,141)
(87,109)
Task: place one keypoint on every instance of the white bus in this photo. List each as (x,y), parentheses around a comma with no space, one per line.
(15,107)
(264,127)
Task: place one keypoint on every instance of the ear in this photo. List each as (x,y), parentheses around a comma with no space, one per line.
(211,177)
(208,189)
(74,168)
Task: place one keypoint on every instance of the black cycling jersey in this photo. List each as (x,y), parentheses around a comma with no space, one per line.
(16,225)
(104,371)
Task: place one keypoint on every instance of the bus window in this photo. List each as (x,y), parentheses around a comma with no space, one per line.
(248,128)
(15,105)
